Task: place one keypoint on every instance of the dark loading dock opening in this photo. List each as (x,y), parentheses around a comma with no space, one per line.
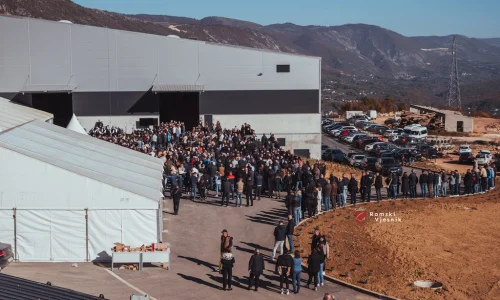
(180,106)
(60,105)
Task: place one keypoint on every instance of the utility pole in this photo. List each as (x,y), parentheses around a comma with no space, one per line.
(454,99)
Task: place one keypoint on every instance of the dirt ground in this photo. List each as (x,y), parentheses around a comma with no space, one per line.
(455,241)
(486,125)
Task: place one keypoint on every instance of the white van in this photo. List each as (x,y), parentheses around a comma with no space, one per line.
(415,131)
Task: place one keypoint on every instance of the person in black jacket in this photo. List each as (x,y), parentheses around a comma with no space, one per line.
(368,187)
(430,183)
(353,188)
(284,266)
(295,205)
(258,185)
(362,186)
(288,202)
(405,185)
(468,182)
(423,183)
(270,182)
(256,267)
(413,181)
(378,186)
(226,189)
(314,265)
(249,186)
(177,193)
(279,238)
(227,269)
(289,232)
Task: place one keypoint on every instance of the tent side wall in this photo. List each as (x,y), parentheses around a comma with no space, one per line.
(51,205)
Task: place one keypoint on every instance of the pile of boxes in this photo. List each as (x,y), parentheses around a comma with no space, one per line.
(119,247)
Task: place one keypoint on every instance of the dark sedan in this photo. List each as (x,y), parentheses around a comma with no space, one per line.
(466,158)
(333,155)
(6,256)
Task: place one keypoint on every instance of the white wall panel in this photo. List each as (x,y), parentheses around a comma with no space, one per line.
(105,229)
(33,235)
(137,57)
(67,235)
(14,54)
(50,49)
(139,227)
(131,227)
(7,226)
(178,61)
(90,57)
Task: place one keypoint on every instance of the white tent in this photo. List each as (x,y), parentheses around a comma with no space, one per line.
(74,196)
(76,126)
(13,114)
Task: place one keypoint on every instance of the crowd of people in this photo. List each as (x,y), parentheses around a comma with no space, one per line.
(236,163)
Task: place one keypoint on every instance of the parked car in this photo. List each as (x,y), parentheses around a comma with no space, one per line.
(483,158)
(355,160)
(368,163)
(466,158)
(430,153)
(388,165)
(407,153)
(371,146)
(361,143)
(324,147)
(333,154)
(6,256)
(347,158)
(392,132)
(464,149)
(353,136)
(336,132)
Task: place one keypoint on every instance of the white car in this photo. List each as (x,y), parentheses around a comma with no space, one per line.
(464,149)
(336,132)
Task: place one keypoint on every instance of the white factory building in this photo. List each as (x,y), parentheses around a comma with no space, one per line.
(133,79)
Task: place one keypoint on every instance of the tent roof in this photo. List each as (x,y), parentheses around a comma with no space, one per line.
(75,125)
(102,161)
(13,114)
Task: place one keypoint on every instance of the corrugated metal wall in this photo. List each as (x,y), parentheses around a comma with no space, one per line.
(39,52)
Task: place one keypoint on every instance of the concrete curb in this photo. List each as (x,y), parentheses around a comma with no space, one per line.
(356,287)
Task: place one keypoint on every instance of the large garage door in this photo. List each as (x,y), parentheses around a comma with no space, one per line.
(44,235)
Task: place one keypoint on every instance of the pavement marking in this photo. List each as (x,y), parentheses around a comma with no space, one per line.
(126,283)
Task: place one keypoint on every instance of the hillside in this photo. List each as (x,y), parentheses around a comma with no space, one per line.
(358,59)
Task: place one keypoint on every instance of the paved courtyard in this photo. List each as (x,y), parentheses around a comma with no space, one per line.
(194,235)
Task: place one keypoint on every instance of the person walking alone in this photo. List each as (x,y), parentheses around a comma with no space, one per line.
(325,250)
(227,269)
(279,239)
(284,267)
(256,267)
(176,196)
(226,242)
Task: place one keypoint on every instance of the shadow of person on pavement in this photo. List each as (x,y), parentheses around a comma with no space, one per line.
(255,246)
(200,262)
(199,281)
(261,220)
(251,251)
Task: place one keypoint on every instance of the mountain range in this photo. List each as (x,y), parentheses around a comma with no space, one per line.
(357,59)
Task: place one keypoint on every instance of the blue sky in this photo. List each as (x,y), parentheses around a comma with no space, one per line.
(473,18)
